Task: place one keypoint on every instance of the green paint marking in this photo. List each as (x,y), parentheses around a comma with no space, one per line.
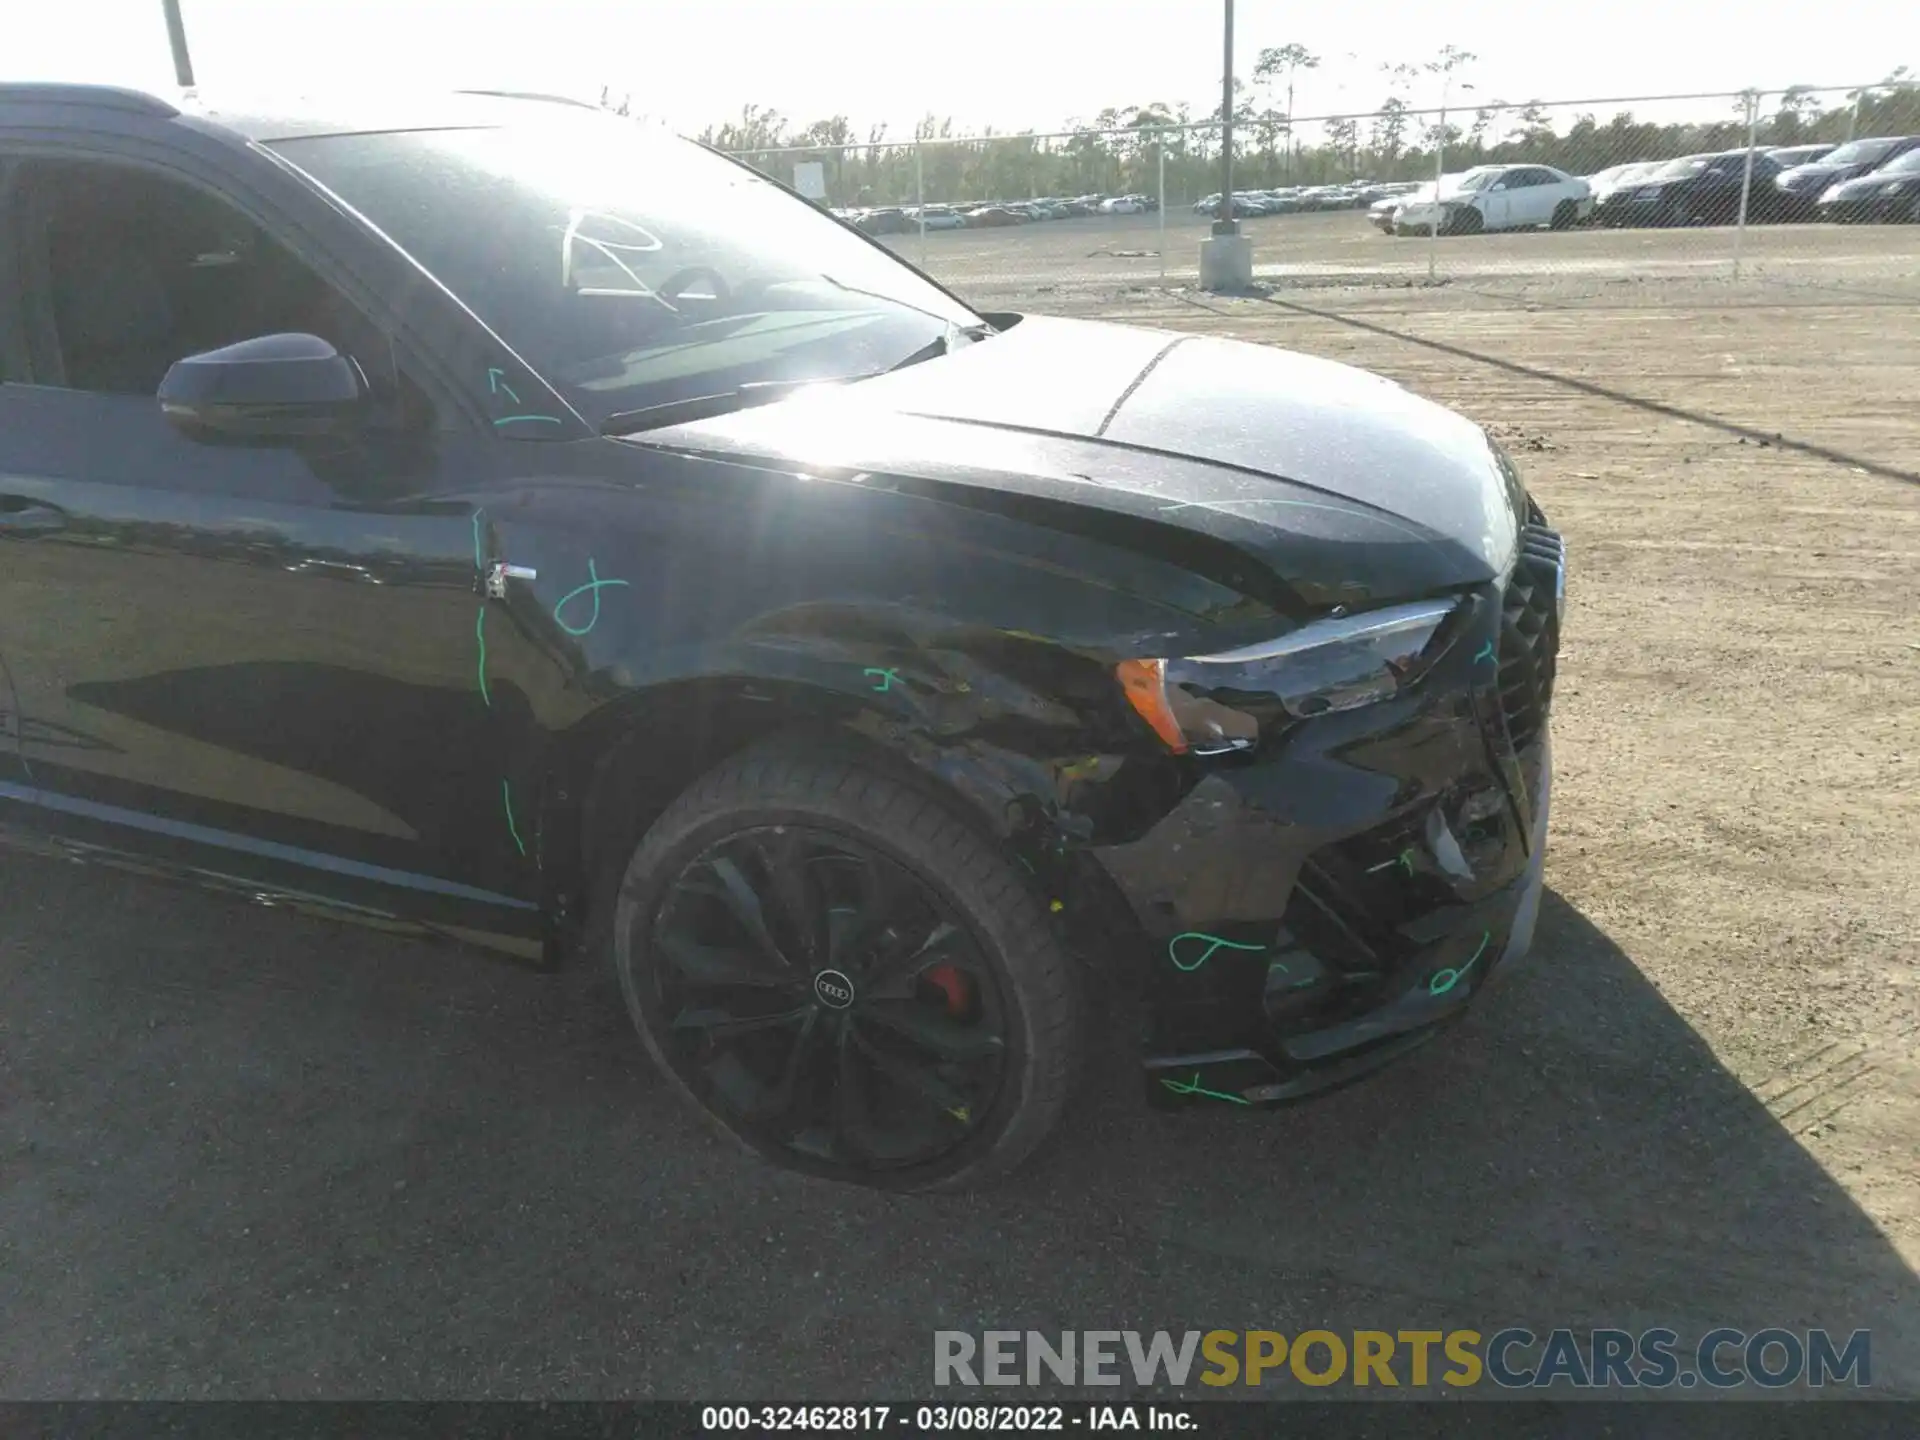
(1436,985)
(1486,653)
(592,588)
(479,559)
(498,386)
(480,634)
(1214,942)
(1404,859)
(506,798)
(887,678)
(1194,1087)
(529,419)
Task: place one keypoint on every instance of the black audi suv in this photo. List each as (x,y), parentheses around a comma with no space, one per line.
(492,517)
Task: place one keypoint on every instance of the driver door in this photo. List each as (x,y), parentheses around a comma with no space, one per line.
(255,656)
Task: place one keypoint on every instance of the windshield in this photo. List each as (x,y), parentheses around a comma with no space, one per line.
(632,269)
(1685,165)
(1477,179)
(1907,164)
(1860,152)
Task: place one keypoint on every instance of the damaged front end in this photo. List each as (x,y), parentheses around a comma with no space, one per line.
(1325,899)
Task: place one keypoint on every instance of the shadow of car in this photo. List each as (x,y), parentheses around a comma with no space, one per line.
(1576,1155)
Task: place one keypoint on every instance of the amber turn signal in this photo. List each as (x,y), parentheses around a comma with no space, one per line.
(1145,684)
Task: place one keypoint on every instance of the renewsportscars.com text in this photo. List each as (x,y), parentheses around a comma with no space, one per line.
(1512,1358)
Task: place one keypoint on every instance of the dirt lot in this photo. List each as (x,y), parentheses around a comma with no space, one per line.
(250,1154)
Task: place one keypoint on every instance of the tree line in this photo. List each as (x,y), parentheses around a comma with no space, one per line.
(1393,142)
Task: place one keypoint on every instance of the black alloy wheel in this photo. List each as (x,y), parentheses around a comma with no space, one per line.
(836,1001)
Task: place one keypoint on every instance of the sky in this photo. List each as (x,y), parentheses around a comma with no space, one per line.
(1009,64)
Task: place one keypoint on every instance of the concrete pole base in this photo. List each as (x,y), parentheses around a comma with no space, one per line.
(1226,263)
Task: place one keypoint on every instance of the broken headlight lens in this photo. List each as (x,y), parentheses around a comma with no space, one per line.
(1209,704)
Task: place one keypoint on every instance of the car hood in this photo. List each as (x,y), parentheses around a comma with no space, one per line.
(1336,480)
(1870,183)
(1807,177)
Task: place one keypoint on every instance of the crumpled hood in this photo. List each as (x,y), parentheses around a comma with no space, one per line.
(1272,450)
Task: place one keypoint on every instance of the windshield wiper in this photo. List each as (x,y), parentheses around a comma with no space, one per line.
(705,407)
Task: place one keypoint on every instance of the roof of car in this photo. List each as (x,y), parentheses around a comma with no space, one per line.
(280,117)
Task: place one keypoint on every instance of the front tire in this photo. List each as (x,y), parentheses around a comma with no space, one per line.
(1469,221)
(844,976)
(1564,215)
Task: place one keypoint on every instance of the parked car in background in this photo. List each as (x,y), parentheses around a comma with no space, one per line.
(1890,193)
(1243,208)
(886,220)
(1383,210)
(1788,156)
(1799,189)
(1604,182)
(1698,189)
(1500,197)
(1121,205)
(986,217)
(940,217)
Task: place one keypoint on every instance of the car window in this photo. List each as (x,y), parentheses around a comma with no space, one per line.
(633,269)
(1863,152)
(129,270)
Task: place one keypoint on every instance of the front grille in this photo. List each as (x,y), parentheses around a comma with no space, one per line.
(1530,633)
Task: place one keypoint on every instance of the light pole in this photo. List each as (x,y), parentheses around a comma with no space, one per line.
(177,38)
(1226,256)
(1225,224)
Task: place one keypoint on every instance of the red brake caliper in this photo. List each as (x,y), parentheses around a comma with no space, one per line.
(950,982)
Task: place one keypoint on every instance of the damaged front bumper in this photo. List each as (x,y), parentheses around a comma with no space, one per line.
(1315,911)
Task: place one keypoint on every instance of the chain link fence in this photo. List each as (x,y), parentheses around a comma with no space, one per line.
(1756,193)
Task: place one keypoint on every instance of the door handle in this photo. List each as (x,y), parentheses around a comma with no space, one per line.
(20,515)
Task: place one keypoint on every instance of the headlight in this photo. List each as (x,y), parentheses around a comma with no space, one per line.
(1209,704)
(1832,192)
(1896,187)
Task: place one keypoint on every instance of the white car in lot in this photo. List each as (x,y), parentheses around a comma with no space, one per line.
(1402,193)
(1499,197)
(1122,205)
(940,217)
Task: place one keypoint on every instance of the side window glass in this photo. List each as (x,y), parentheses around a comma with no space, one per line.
(136,270)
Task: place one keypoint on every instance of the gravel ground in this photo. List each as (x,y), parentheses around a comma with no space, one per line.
(246,1153)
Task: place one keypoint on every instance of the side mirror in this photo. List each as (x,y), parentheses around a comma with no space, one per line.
(271,386)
